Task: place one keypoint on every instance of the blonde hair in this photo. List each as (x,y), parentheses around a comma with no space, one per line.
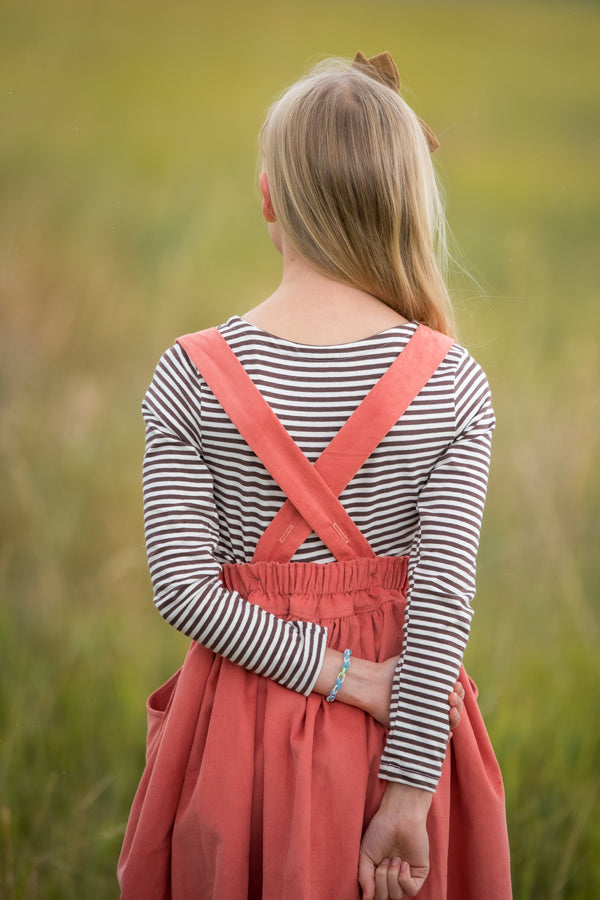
(353,187)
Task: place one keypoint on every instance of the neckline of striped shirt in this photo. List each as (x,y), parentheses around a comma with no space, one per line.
(236,326)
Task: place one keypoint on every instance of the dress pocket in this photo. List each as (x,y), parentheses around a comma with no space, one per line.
(157,707)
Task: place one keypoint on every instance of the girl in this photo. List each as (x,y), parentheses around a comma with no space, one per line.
(301,753)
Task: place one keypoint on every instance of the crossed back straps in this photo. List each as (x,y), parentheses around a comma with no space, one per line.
(312,491)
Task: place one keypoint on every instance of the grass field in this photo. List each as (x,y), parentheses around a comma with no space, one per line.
(129,215)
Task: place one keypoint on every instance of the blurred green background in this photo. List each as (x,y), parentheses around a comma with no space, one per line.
(129,215)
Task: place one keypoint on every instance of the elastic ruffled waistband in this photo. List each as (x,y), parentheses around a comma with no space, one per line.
(293,588)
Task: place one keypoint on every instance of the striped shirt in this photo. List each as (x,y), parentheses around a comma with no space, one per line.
(208,499)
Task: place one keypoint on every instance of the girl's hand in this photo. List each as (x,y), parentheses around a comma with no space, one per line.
(394,853)
(368,685)
(456,705)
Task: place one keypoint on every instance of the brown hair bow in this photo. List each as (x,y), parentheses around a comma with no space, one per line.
(383,68)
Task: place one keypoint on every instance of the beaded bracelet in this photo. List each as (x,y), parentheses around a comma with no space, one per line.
(340,679)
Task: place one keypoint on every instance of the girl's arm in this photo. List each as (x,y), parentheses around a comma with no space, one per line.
(395,850)
(441,587)
(182,533)
(368,686)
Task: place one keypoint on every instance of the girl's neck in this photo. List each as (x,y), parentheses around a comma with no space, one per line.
(310,308)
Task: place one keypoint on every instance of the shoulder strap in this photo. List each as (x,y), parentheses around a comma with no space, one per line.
(312,491)
(360,435)
(262,430)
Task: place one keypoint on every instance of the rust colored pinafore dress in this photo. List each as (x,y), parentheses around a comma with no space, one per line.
(254,791)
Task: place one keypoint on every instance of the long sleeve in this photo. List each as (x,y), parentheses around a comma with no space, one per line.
(441,588)
(182,534)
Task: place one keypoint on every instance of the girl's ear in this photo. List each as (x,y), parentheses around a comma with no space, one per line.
(267,207)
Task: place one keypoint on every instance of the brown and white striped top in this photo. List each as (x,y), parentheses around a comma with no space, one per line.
(208,499)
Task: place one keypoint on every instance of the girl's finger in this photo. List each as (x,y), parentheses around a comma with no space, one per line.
(411,884)
(394,889)
(366,876)
(381,880)
(455,701)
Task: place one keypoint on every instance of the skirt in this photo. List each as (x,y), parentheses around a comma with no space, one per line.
(254,791)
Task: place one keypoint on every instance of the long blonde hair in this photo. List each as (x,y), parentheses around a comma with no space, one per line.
(353,187)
